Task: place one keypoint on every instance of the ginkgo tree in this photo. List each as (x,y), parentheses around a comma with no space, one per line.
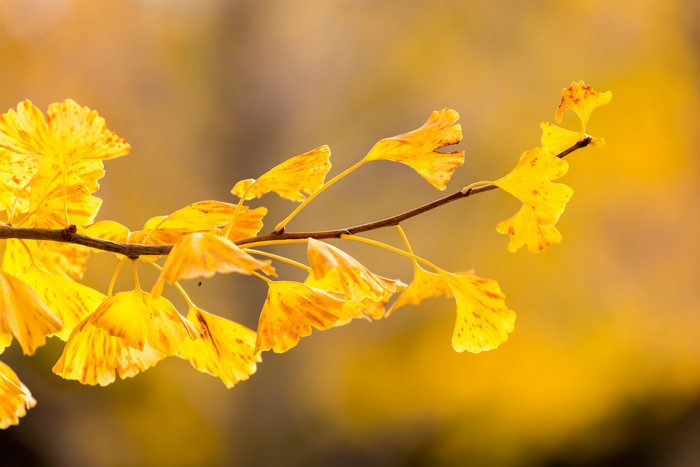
(50,170)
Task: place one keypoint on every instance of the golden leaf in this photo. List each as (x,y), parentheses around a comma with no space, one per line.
(24,315)
(417,148)
(291,308)
(15,398)
(524,229)
(224,349)
(365,308)
(69,301)
(556,139)
(304,173)
(137,318)
(357,281)
(248,223)
(16,171)
(63,259)
(91,355)
(424,285)
(581,99)
(483,320)
(530,182)
(106,230)
(205,254)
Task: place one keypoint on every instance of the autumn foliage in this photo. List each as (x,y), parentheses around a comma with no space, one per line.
(50,170)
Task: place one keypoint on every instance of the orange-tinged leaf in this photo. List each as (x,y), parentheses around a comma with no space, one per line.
(204,254)
(292,178)
(202,215)
(357,281)
(91,355)
(224,349)
(524,229)
(15,398)
(483,320)
(138,318)
(248,223)
(5,340)
(556,139)
(69,301)
(24,315)
(581,99)
(530,182)
(418,148)
(291,308)
(365,308)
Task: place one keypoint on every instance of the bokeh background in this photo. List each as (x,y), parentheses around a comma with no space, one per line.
(604,364)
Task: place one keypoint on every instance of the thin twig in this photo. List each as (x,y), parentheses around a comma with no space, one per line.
(133,251)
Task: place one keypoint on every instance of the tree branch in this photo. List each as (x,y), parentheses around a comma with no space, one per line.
(133,251)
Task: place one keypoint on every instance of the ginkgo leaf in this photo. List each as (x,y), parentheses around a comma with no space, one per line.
(556,139)
(69,301)
(63,259)
(16,171)
(581,99)
(92,354)
(137,318)
(291,308)
(418,148)
(290,179)
(106,230)
(424,285)
(483,320)
(15,398)
(524,229)
(205,254)
(24,315)
(224,349)
(248,223)
(24,131)
(357,281)
(5,339)
(530,182)
(365,308)
(202,215)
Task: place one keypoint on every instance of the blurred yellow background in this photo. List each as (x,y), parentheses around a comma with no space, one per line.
(604,364)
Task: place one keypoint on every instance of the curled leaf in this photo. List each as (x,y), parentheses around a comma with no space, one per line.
(530,182)
(224,348)
(366,308)
(291,308)
(418,148)
(15,398)
(357,281)
(524,229)
(581,99)
(556,139)
(292,178)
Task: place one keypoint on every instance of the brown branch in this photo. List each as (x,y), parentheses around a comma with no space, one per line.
(132,250)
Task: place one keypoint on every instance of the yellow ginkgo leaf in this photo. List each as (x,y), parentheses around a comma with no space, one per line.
(16,171)
(365,308)
(290,179)
(530,182)
(205,254)
(5,339)
(556,139)
(291,308)
(524,229)
(24,315)
(357,281)
(15,398)
(483,320)
(52,197)
(137,318)
(418,148)
(91,355)
(106,230)
(63,259)
(581,99)
(202,215)
(69,301)
(248,223)
(424,285)
(224,349)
